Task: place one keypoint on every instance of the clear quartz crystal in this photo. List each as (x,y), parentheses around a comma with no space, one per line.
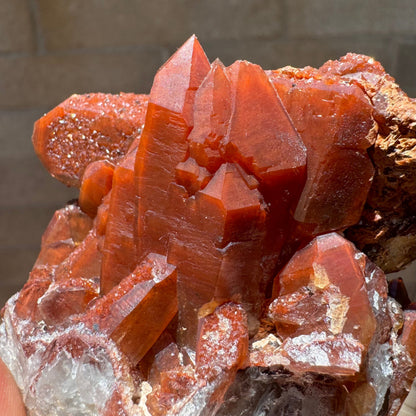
(85,386)
(87,383)
(10,350)
(380,373)
(53,381)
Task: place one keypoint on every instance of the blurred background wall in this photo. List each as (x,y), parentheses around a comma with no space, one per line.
(50,49)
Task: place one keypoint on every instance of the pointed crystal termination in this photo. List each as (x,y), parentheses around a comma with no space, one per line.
(212,113)
(168,123)
(364,372)
(85,128)
(172,390)
(228,196)
(261,136)
(38,283)
(336,125)
(218,253)
(263,139)
(120,243)
(67,229)
(74,285)
(64,299)
(166,359)
(203,211)
(84,261)
(148,362)
(220,250)
(192,176)
(125,313)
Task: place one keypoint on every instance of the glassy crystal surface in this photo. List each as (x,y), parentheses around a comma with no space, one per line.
(203,270)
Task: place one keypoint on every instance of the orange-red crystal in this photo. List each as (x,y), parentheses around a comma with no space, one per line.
(205,245)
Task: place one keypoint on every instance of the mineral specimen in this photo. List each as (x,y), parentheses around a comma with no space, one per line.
(203,270)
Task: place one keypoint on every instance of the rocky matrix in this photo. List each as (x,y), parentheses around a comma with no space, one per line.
(203,269)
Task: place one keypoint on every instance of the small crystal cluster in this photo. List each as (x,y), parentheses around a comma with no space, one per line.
(203,270)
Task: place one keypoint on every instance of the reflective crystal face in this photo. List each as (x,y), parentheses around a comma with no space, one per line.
(202,270)
(323,289)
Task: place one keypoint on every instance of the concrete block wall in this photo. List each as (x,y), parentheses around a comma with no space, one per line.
(50,49)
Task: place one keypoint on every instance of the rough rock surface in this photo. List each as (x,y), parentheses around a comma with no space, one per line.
(387,229)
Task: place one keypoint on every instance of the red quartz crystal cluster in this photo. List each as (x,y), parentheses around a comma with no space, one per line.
(204,260)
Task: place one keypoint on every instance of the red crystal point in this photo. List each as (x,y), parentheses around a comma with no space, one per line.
(64,299)
(212,113)
(218,253)
(263,140)
(126,313)
(84,262)
(174,385)
(178,79)
(231,197)
(222,350)
(96,184)
(167,126)
(229,216)
(120,245)
(323,289)
(66,230)
(261,136)
(85,128)
(192,176)
(101,219)
(150,360)
(166,360)
(74,283)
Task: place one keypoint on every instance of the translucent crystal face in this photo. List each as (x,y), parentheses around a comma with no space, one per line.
(324,288)
(63,371)
(203,271)
(85,383)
